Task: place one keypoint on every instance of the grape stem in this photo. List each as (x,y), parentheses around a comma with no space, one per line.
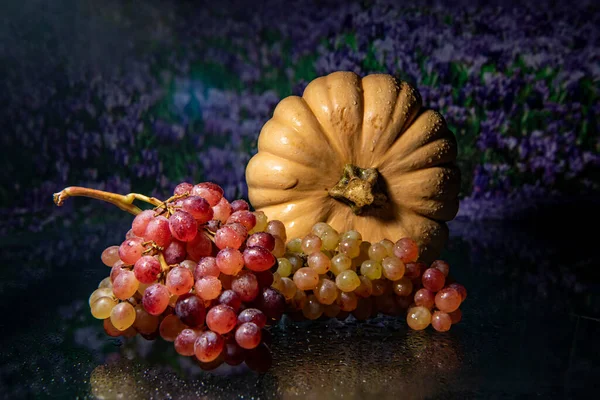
(163,263)
(124,202)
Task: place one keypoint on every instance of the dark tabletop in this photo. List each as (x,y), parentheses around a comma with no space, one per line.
(529,328)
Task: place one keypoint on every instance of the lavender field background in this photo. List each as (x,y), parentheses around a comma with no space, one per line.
(141,95)
(130,96)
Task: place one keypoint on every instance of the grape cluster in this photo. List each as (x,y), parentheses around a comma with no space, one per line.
(210,275)
(328,274)
(196,271)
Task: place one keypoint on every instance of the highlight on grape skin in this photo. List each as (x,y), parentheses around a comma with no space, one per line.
(212,276)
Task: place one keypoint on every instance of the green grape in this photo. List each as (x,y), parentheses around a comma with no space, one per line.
(366,287)
(102,307)
(331,310)
(418,318)
(393,268)
(288,288)
(99,293)
(320,228)
(326,291)
(310,244)
(378,252)
(306,278)
(261,222)
(371,269)
(350,247)
(330,240)
(296,262)
(389,246)
(312,308)
(294,245)
(105,283)
(347,281)
(339,263)
(351,235)
(284,267)
(319,262)
(122,316)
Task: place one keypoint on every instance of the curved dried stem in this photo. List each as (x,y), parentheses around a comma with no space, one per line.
(124,202)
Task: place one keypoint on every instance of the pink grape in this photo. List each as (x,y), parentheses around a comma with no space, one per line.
(248,335)
(158,231)
(246,286)
(272,303)
(259,359)
(261,239)
(425,297)
(455,316)
(110,256)
(170,327)
(310,244)
(116,270)
(146,269)
(183,188)
(222,211)
(276,228)
(245,218)
(207,266)
(442,266)
(156,299)
(131,250)
(279,248)
(125,285)
(414,270)
(230,261)
(448,299)
(258,258)
(183,226)
(198,208)
(253,315)
(239,205)
(231,235)
(306,278)
(406,250)
(190,310)
(140,222)
(208,287)
(179,280)
(208,346)
(264,278)
(130,234)
(233,354)
(175,252)
(184,343)
(221,319)
(460,289)
(231,299)
(189,264)
(433,279)
(209,191)
(200,246)
(441,321)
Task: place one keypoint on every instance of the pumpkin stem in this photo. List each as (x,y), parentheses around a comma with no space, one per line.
(359,188)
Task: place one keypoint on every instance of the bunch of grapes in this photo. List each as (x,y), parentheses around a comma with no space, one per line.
(196,271)
(328,274)
(210,275)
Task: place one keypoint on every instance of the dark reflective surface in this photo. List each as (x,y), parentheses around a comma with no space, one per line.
(529,326)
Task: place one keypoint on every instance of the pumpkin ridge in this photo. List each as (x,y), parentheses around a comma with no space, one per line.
(278,118)
(344,113)
(396,114)
(335,146)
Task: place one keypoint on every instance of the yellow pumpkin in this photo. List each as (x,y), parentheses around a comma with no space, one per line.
(358,154)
